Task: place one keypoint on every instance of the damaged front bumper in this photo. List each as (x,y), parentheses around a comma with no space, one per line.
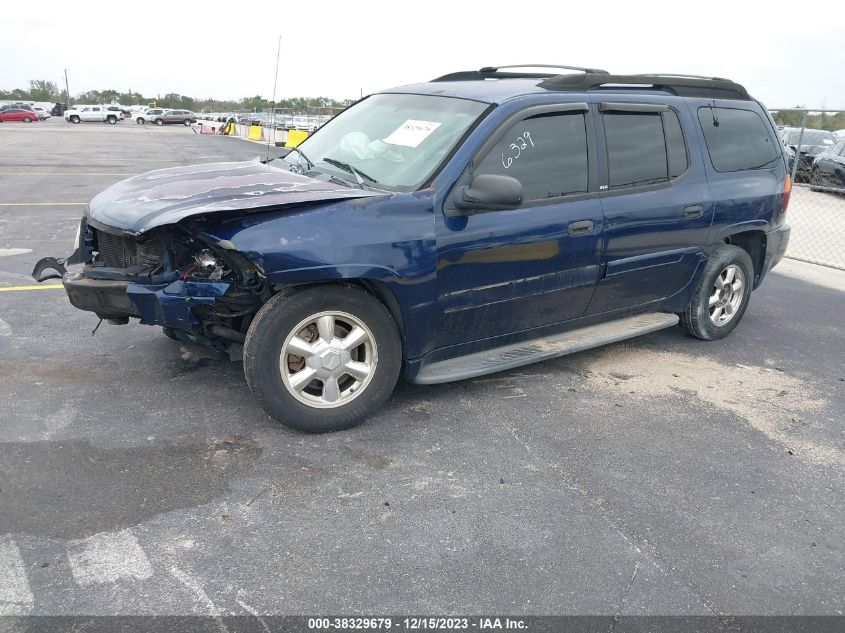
(155,299)
(169,305)
(185,281)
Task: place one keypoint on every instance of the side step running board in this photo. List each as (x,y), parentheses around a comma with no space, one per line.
(518,354)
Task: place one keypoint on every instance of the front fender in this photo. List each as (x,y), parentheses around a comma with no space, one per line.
(386,239)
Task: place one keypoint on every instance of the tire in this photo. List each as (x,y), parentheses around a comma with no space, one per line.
(111,120)
(316,407)
(140,121)
(712,322)
(74,119)
(159,121)
(26,119)
(187,122)
(169,333)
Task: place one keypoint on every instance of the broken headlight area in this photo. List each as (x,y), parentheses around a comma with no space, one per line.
(187,283)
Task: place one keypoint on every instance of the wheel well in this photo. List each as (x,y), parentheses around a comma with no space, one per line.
(754,243)
(383,293)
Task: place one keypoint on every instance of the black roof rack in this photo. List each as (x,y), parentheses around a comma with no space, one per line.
(495,72)
(591,78)
(681,85)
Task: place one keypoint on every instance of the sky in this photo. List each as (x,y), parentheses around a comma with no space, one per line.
(786,53)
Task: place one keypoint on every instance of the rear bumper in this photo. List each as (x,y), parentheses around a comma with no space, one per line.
(776,244)
(169,305)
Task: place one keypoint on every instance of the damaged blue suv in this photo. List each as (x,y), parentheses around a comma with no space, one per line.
(482,221)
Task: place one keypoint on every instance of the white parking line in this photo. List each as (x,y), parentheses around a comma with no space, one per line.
(9,252)
(108,557)
(191,583)
(15,595)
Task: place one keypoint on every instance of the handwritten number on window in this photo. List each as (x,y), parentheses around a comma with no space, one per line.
(516,149)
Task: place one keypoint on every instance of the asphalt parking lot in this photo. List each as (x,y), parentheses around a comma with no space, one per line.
(664,475)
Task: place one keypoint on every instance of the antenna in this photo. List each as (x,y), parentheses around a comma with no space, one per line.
(273,101)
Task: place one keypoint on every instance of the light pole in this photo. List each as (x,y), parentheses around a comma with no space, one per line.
(67,90)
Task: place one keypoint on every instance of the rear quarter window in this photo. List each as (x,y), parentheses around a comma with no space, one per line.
(737,140)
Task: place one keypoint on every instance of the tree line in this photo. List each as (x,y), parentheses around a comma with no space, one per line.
(819,121)
(43,90)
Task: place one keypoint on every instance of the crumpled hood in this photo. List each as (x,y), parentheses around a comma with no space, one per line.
(166,196)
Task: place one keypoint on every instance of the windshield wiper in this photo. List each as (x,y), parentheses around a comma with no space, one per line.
(360,176)
(308,161)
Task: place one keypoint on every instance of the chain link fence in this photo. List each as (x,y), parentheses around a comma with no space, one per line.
(814,144)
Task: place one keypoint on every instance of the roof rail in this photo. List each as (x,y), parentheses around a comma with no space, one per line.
(681,75)
(496,72)
(492,69)
(683,86)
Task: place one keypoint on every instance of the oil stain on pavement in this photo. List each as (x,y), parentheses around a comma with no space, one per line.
(71,489)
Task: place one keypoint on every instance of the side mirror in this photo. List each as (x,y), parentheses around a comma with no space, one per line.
(490,192)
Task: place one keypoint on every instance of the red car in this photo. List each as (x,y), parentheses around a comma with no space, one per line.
(16,114)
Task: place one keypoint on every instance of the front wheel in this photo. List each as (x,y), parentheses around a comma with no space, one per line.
(322,358)
(26,119)
(140,121)
(187,122)
(722,296)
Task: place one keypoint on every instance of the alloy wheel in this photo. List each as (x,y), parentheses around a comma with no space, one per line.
(328,359)
(726,295)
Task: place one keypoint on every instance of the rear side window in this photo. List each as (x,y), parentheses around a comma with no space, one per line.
(643,148)
(546,153)
(737,140)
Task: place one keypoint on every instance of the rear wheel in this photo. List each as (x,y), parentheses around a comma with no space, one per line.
(74,119)
(323,358)
(722,296)
(159,121)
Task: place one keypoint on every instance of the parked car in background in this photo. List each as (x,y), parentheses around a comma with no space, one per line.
(79,114)
(42,113)
(166,117)
(143,116)
(18,114)
(813,143)
(447,230)
(829,168)
(17,106)
(59,109)
(117,110)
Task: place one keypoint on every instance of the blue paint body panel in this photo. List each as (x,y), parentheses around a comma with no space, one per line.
(171,305)
(459,284)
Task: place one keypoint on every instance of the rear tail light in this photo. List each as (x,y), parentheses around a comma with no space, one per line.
(787,189)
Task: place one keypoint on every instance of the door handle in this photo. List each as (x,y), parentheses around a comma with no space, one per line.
(693,211)
(581,227)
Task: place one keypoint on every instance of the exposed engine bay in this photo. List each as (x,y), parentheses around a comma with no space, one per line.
(198,288)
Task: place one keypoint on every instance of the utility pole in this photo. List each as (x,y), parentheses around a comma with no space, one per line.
(67,90)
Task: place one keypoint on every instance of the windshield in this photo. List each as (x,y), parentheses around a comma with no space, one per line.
(391,141)
(811,137)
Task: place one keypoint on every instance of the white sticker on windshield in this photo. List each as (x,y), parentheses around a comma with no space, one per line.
(411,133)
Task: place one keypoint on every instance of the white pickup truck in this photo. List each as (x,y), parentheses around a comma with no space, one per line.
(78,114)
